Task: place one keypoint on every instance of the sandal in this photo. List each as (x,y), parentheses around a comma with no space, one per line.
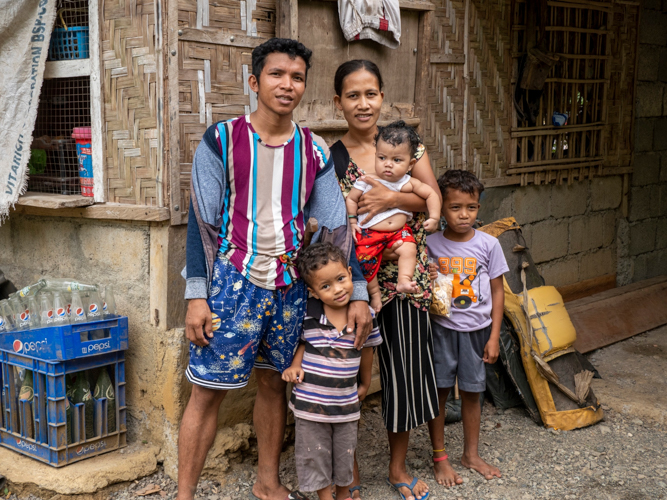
(353,489)
(410,486)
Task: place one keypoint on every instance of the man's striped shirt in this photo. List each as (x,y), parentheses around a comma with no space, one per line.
(266,191)
(328,392)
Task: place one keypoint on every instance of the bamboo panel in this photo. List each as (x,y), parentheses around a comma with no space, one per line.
(130,101)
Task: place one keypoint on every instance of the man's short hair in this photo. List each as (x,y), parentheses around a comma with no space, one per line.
(317,256)
(460,180)
(287,46)
(397,133)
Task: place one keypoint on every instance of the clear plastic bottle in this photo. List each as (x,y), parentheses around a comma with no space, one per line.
(33,313)
(78,312)
(60,316)
(46,312)
(109,306)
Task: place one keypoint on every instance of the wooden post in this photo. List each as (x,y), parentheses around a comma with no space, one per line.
(287,19)
(96,108)
(466,83)
(423,64)
(170,116)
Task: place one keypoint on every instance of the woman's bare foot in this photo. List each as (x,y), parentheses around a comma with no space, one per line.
(445,475)
(420,489)
(407,287)
(476,463)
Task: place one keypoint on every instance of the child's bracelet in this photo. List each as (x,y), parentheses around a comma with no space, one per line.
(351,216)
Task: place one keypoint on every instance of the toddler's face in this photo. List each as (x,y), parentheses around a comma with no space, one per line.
(392,162)
(332,284)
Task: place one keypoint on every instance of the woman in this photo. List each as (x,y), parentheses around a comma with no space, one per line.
(409,394)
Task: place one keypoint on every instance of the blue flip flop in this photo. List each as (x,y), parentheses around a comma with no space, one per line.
(410,486)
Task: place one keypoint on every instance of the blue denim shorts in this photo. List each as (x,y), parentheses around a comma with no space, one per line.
(252,326)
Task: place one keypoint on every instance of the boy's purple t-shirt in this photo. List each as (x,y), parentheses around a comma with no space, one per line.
(474,263)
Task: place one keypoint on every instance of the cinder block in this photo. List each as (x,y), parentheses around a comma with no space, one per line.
(648,64)
(608,228)
(656,264)
(663,167)
(531,203)
(653,28)
(660,134)
(642,237)
(561,272)
(586,233)
(646,169)
(644,134)
(657,200)
(527,232)
(549,240)
(496,203)
(606,192)
(649,99)
(599,263)
(567,201)
(639,203)
(661,234)
(662,71)
(663,200)
(640,268)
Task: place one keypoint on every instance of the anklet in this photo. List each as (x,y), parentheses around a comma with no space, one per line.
(438,451)
(440,459)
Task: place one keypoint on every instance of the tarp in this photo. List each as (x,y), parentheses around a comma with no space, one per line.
(25,32)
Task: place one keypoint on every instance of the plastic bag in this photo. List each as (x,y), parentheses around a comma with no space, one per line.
(441,304)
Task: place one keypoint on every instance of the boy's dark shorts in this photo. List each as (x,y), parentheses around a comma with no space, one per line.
(460,354)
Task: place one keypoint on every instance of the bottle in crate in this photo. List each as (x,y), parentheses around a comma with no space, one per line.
(26,397)
(67,285)
(78,312)
(33,313)
(60,316)
(46,309)
(21,315)
(29,290)
(94,311)
(109,306)
(6,317)
(81,394)
(104,389)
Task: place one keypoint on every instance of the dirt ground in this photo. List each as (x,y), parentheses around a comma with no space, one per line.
(622,458)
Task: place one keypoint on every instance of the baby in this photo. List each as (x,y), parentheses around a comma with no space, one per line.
(395,148)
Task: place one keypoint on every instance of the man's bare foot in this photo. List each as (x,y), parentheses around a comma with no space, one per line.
(420,489)
(264,493)
(407,287)
(445,475)
(476,463)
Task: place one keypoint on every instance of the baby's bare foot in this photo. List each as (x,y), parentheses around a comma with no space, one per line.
(476,463)
(407,287)
(445,475)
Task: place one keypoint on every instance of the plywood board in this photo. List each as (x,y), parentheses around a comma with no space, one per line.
(608,317)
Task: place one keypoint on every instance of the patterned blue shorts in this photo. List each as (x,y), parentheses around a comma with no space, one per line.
(252,326)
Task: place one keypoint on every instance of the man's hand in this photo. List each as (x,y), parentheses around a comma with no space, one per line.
(293,374)
(377,200)
(491,350)
(198,324)
(359,318)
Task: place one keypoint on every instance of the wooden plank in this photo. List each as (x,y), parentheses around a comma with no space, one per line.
(218,37)
(68,69)
(408,5)
(172,125)
(618,314)
(448,59)
(44,200)
(98,145)
(423,67)
(115,211)
(587,288)
(341,125)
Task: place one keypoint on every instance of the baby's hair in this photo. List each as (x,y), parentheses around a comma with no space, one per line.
(316,256)
(397,133)
(460,180)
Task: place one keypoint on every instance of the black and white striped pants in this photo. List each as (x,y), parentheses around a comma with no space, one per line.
(407,374)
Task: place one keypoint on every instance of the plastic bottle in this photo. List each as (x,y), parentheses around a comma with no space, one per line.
(59,310)
(109,306)
(21,316)
(46,313)
(33,313)
(27,395)
(67,285)
(78,312)
(104,389)
(81,394)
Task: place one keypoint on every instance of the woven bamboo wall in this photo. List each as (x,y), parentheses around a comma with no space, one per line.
(130,104)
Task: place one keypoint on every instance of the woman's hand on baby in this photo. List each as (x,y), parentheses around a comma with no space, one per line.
(293,374)
(431,224)
(377,200)
(432,271)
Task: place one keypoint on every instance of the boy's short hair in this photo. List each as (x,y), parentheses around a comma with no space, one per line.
(397,133)
(316,256)
(287,46)
(460,180)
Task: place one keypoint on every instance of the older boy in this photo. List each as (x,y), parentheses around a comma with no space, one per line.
(470,337)
(254,179)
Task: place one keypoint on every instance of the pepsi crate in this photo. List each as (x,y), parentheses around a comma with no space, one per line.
(47,412)
(60,343)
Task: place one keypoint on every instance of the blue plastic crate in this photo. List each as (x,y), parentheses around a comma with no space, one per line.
(70,43)
(48,443)
(59,343)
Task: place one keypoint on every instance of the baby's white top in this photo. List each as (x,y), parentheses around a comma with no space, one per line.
(394,186)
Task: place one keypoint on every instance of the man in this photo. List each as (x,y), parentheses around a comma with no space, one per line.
(255,180)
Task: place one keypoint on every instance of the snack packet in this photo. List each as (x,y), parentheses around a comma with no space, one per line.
(442,295)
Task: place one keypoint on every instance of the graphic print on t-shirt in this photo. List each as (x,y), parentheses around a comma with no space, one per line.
(464,271)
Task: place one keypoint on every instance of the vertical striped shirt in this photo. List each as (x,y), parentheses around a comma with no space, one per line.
(266,192)
(328,392)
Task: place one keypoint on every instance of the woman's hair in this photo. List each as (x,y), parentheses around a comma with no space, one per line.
(287,46)
(460,180)
(399,132)
(316,256)
(349,67)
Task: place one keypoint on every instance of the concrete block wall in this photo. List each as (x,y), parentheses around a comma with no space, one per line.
(643,236)
(570,230)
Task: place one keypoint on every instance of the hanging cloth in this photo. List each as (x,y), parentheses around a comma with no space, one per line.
(377,20)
